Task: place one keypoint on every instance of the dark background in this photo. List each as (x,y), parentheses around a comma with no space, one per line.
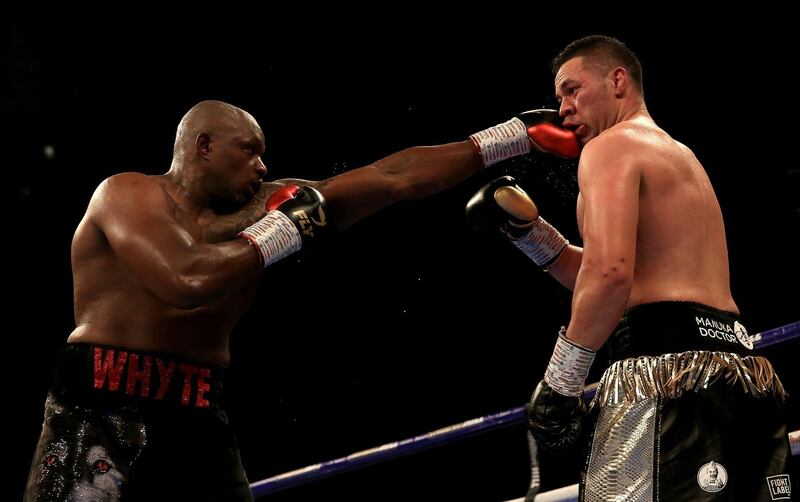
(407,322)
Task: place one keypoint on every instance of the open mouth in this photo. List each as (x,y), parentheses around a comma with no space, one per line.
(579,130)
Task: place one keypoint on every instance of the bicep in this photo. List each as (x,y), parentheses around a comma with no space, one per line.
(610,193)
(138,222)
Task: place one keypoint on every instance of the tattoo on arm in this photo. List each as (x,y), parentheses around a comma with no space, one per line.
(301,183)
(226,227)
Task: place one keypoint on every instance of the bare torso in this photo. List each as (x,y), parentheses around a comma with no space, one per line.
(113,307)
(681,252)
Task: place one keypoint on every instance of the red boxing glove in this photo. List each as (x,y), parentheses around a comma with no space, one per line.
(541,128)
(280,196)
(295,217)
(551,138)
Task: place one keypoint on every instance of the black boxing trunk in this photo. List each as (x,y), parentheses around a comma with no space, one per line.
(684,415)
(132,425)
(658,328)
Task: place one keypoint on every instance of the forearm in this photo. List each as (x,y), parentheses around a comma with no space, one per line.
(599,300)
(226,227)
(406,175)
(556,412)
(424,170)
(566,267)
(214,272)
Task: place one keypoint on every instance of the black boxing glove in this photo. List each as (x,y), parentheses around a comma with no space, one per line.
(538,128)
(295,218)
(501,205)
(556,411)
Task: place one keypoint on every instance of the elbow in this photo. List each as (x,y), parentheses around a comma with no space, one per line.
(416,187)
(407,180)
(187,292)
(616,278)
(611,274)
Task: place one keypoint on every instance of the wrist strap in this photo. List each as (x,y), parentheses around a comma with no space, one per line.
(274,236)
(502,141)
(543,243)
(569,366)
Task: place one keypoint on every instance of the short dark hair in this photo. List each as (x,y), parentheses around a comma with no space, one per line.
(605,53)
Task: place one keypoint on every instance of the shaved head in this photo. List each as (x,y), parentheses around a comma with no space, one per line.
(217,154)
(213,118)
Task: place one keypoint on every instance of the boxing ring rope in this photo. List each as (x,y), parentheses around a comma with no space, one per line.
(470,428)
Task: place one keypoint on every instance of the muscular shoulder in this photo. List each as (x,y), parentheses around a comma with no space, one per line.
(617,150)
(617,141)
(129,190)
(132,182)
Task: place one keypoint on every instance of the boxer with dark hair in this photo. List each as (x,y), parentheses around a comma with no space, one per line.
(651,281)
